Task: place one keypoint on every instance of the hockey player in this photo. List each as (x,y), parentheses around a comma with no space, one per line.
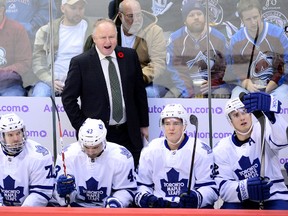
(26,167)
(99,173)
(238,157)
(164,167)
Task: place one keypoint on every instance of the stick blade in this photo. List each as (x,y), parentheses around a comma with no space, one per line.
(193,120)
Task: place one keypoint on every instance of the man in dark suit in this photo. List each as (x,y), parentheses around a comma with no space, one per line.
(88,78)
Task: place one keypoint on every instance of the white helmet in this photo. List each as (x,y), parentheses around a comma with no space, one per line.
(8,123)
(232,105)
(92,133)
(174,111)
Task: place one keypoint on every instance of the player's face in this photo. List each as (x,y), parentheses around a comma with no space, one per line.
(14,137)
(93,151)
(195,21)
(14,140)
(173,129)
(73,14)
(105,38)
(131,19)
(252,20)
(241,120)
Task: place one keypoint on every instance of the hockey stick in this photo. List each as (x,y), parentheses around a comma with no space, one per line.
(67,198)
(252,53)
(261,118)
(193,121)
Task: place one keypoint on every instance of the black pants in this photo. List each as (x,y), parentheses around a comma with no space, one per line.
(119,134)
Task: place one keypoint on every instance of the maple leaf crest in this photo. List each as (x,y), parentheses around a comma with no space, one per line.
(248,169)
(173,187)
(11,194)
(92,193)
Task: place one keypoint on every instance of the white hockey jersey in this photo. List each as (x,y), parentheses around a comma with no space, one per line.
(110,174)
(235,160)
(165,173)
(26,179)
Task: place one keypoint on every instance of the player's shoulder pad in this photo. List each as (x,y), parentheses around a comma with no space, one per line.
(203,147)
(36,149)
(72,149)
(118,151)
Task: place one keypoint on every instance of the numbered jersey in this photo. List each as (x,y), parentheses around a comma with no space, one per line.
(238,160)
(165,173)
(26,179)
(110,174)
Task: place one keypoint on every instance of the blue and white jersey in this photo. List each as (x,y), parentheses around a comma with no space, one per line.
(187,59)
(26,179)
(110,174)
(238,160)
(165,173)
(271,52)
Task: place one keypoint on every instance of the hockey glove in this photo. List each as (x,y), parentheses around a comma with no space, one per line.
(148,200)
(286,167)
(191,200)
(112,202)
(256,189)
(264,102)
(65,185)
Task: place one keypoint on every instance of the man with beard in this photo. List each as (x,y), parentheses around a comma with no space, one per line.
(188,57)
(70,32)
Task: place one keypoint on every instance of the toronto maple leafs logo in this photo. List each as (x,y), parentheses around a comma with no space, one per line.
(249,170)
(125,152)
(173,187)
(92,193)
(11,194)
(42,150)
(206,147)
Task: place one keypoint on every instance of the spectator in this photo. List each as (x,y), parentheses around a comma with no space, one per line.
(70,32)
(88,183)
(223,16)
(88,80)
(113,8)
(26,166)
(246,172)
(138,30)
(164,167)
(188,59)
(168,14)
(259,54)
(15,55)
(32,14)
(275,12)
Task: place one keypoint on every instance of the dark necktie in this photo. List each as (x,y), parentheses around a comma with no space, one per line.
(117,112)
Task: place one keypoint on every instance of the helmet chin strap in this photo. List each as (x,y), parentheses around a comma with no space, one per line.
(246,133)
(175,144)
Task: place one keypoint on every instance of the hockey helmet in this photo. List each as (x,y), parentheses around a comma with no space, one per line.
(174,111)
(9,123)
(92,133)
(233,105)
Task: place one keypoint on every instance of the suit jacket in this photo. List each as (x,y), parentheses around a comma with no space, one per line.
(86,80)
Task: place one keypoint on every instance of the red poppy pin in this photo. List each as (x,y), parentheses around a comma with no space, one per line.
(120,54)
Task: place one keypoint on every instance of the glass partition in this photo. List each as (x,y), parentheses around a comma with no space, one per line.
(198,53)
